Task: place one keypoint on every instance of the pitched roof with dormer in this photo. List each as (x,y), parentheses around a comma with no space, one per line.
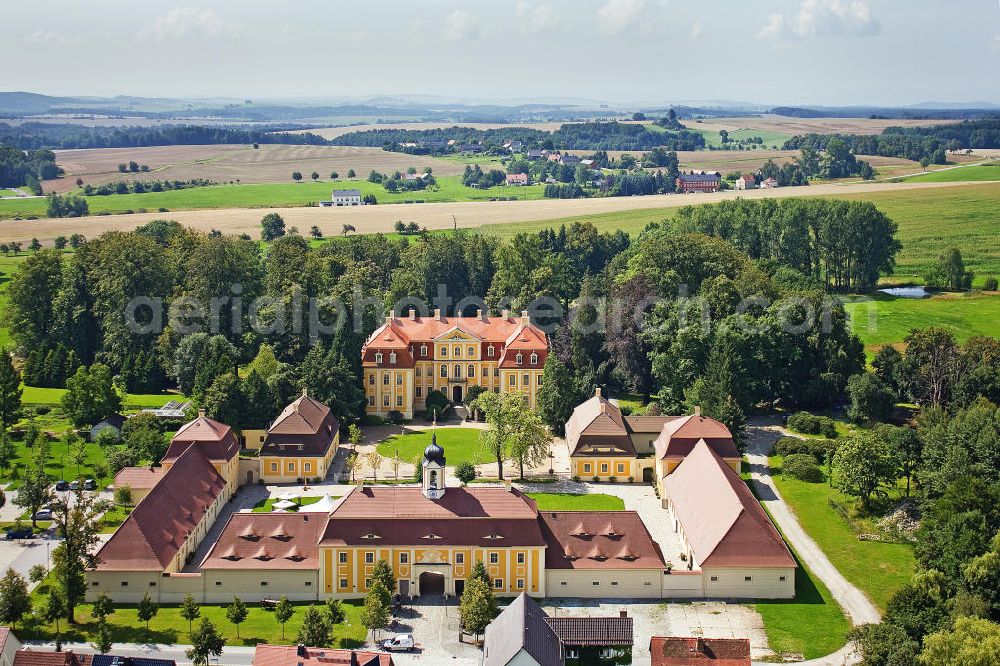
(267,541)
(597,427)
(680,435)
(598,540)
(723,522)
(216,440)
(306,424)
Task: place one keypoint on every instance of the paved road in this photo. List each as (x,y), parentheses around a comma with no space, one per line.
(856,605)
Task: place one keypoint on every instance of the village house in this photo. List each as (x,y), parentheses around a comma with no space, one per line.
(569,160)
(693,182)
(407,357)
(524,635)
(534,154)
(517,179)
(698,651)
(300,444)
(346,198)
(768,183)
(139,480)
(113,423)
(745,182)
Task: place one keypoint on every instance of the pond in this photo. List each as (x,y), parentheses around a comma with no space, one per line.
(906,292)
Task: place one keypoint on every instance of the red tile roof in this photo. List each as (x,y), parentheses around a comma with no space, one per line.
(598,540)
(267,541)
(592,631)
(699,651)
(215,439)
(138,478)
(405,335)
(679,436)
(158,526)
(289,655)
(597,422)
(306,422)
(724,523)
(28,657)
(481,517)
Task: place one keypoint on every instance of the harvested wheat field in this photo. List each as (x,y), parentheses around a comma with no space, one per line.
(224,163)
(381,218)
(334,132)
(792,126)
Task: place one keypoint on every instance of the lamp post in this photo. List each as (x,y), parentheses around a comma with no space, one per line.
(552,455)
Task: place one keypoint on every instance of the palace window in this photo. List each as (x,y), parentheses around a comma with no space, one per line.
(472,351)
(399,379)
(420,391)
(472,371)
(291,467)
(420,371)
(534,358)
(369,557)
(747,579)
(527,381)
(444,352)
(385,401)
(520,558)
(604,468)
(586,467)
(399,401)
(371,379)
(404,558)
(458,352)
(444,370)
(307,467)
(519,359)
(520,583)
(494,558)
(392,358)
(423,350)
(343,582)
(274,467)
(343,557)
(498,583)
(378,357)
(621,468)
(513,380)
(458,371)
(496,371)
(371,401)
(385,379)
(539,379)
(459,558)
(490,351)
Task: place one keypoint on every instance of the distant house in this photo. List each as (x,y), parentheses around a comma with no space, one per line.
(699,651)
(415,176)
(517,179)
(569,160)
(470,148)
(346,197)
(524,635)
(590,164)
(693,182)
(514,146)
(113,423)
(768,183)
(746,182)
(534,155)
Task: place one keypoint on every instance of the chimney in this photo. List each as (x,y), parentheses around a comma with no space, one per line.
(622,612)
(413,314)
(525,319)
(597,391)
(201,413)
(300,650)
(389,317)
(437,313)
(305,392)
(479,313)
(504,314)
(697,410)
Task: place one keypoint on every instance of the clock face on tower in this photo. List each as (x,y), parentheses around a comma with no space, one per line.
(434,493)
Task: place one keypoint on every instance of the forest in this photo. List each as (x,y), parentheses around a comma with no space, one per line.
(29,136)
(26,168)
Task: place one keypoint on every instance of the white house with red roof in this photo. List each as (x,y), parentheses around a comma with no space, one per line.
(407,357)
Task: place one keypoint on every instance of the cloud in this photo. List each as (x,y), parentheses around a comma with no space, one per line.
(536,19)
(190,22)
(46,38)
(696,30)
(850,18)
(460,25)
(617,15)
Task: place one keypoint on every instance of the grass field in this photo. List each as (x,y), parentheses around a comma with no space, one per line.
(577,502)
(878,569)
(712,138)
(168,626)
(33,395)
(460,445)
(958,174)
(264,195)
(886,320)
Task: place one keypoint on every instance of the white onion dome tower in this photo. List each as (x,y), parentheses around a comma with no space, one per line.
(433,468)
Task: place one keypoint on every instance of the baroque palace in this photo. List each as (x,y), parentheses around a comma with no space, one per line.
(712,539)
(407,357)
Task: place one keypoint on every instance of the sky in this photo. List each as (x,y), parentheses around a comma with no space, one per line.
(830,52)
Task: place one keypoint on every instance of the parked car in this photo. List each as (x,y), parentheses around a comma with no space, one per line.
(75,485)
(62,485)
(19,533)
(45,513)
(399,643)
(90,484)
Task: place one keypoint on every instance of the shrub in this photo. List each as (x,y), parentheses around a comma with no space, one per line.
(812,424)
(395,417)
(465,472)
(576,479)
(802,466)
(817,448)
(436,402)
(990,284)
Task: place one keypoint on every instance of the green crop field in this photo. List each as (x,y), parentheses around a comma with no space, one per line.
(885,320)
(449,188)
(960,174)
(930,220)
(713,139)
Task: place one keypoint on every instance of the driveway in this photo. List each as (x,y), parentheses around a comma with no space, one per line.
(761,435)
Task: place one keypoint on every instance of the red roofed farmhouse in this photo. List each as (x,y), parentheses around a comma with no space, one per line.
(407,357)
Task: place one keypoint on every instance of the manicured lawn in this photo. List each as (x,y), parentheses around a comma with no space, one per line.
(114,517)
(460,445)
(264,506)
(812,624)
(169,627)
(449,188)
(577,502)
(879,569)
(33,395)
(886,319)
(60,464)
(969,173)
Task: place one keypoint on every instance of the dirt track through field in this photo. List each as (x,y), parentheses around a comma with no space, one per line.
(373,219)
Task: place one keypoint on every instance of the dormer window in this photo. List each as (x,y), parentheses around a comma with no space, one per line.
(392,358)
(423,350)
(519,359)
(534,358)
(493,537)
(491,351)
(370,535)
(378,357)
(432,536)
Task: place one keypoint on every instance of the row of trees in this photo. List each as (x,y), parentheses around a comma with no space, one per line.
(20,167)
